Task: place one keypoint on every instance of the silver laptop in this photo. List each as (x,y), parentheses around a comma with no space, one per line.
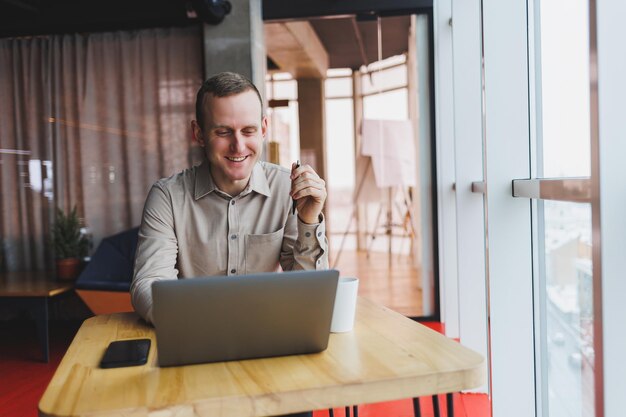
(215,319)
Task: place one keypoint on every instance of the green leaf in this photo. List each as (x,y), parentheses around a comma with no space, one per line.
(67,240)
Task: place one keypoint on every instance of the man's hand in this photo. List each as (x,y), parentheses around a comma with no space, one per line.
(309,191)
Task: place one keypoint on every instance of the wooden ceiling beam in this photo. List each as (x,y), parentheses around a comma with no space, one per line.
(296,48)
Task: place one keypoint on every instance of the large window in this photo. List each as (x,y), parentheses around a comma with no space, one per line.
(384,95)
(567,295)
(565,321)
(551,90)
(283,135)
(563,88)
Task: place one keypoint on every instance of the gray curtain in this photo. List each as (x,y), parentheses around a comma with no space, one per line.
(90,120)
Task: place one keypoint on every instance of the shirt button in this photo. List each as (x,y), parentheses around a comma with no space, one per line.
(318,262)
(233,237)
(232,202)
(319,234)
(232,271)
(307,234)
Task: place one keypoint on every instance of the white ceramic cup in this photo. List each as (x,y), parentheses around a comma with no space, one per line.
(345,305)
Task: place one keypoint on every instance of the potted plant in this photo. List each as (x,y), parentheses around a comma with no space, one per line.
(68,243)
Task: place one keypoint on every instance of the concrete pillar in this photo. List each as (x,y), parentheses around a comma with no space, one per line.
(312,124)
(237,43)
(414,114)
(361,212)
(420,48)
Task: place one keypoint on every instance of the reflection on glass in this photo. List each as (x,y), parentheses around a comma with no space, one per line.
(569,354)
(564,91)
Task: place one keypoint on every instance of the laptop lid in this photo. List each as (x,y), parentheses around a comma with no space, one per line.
(213,319)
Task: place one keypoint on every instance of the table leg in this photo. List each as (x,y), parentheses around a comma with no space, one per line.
(41,318)
(436,406)
(417,410)
(37,307)
(450,404)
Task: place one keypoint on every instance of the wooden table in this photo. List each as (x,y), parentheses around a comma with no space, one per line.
(386,357)
(31,290)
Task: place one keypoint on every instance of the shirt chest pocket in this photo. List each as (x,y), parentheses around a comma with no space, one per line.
(263,251)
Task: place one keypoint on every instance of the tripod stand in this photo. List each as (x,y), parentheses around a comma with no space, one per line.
(388,227)
(407,217)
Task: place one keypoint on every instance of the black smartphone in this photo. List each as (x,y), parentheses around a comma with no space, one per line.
(126,353)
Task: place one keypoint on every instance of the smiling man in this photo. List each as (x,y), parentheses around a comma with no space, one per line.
(231,215)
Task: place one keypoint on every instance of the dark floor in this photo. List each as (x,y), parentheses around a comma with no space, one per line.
(23,374)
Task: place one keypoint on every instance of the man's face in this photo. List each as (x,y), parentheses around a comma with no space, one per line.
(232,138)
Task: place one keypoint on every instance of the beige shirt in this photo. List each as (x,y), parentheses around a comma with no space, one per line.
(190,228)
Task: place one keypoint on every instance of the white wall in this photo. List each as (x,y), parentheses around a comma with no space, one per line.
(611,150)
(444,131)
(468,142)
(459,163)
(508,219)
(461,217)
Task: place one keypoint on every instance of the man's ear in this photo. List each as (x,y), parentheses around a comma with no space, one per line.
(197,133)
(264,127)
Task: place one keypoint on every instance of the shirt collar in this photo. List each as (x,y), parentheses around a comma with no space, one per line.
(258,180)
(204,183)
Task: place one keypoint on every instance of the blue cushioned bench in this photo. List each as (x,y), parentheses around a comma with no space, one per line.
(105,283)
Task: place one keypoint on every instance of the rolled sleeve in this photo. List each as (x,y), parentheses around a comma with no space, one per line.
(310,247)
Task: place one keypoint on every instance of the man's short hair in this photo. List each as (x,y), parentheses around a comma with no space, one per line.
(223,84)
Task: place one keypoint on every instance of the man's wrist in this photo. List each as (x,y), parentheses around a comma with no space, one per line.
(315,220)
